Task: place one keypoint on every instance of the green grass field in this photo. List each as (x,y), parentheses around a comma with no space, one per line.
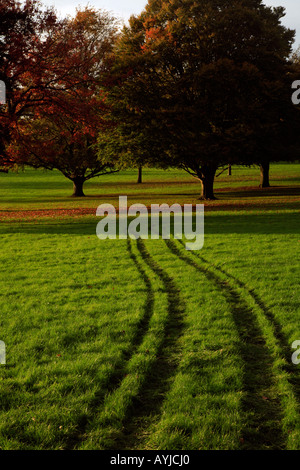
(140,344)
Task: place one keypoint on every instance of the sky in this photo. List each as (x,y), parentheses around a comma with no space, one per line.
(123,9)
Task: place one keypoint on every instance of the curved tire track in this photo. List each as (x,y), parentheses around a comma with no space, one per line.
(121,420)
(262,429)
(276,327)
(288,378)
(146,406)
(114,380)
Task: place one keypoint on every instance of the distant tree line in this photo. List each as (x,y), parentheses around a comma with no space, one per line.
(197,85)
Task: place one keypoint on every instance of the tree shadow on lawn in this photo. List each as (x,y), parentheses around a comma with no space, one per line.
(215,224)
(254,192)
(34,185)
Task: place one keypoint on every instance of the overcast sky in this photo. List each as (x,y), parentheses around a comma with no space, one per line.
(124,8)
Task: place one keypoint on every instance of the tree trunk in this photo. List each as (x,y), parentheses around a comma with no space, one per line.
(229,170)
(78,186)
(139,181)
(264,175)
(207,178)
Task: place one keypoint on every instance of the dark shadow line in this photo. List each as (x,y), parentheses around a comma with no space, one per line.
(116,377)
(293,374)
(147,404)
(263,428)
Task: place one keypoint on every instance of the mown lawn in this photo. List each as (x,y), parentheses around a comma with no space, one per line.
(49,190)
(124,344)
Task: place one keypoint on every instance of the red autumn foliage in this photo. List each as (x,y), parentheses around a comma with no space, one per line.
(56,106)
(26,36)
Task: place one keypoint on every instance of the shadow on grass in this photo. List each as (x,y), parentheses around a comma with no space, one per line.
(115,378)
(262,418)
(149,400)
(282,339)
(146,407)
(273,191)
(284,344)
(215,223)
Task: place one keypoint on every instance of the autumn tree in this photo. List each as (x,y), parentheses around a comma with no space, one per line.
(26,37)
(62,132)
(197,80)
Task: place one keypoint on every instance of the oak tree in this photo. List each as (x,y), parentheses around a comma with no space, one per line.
(26,37)
(198,80)
(61,133)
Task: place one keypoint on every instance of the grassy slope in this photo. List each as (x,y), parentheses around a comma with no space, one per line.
(121,344)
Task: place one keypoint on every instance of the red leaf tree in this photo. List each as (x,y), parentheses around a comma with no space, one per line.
(25,33)
(68,108)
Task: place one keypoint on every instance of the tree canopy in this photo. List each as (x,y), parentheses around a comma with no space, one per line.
(26,39)
(61,131)
(204,84)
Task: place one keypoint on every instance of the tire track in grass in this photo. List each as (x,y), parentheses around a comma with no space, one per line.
(260,404)
(115,378)
(288,379)
(143,324)
(121,422)
(146,406)
(277,330)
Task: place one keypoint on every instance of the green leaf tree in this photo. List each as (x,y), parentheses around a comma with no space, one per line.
(195,83)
